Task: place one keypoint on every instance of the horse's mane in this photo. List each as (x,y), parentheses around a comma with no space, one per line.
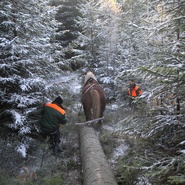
(88,76)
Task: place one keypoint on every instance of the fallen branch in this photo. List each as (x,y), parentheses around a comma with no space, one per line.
(90,121)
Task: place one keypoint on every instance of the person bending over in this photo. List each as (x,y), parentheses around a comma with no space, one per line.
(53,116)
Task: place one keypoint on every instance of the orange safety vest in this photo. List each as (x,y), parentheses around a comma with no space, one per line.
(135,92)
(56,107)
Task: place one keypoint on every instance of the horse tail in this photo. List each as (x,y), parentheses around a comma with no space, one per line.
(96,104)
(96,107)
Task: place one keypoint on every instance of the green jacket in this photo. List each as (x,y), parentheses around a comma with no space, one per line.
(53,116)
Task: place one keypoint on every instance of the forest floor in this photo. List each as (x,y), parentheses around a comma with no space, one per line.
(130,155)
(41,167)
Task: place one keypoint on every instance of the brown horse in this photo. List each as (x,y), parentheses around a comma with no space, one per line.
(93,100)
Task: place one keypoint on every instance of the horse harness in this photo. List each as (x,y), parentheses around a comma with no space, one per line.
(88,89)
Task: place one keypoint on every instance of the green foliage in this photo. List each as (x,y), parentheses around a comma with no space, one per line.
(168,171)
(130,165)
(52,180)
(128,175)
(107,142)
(149,34)
(26,48)
(5,178)
(154,158)
(177,179)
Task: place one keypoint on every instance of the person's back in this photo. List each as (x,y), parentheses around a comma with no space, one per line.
(53,115)
(134,89)
(52,118)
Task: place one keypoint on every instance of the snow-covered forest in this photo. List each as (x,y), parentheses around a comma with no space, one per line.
(47,46)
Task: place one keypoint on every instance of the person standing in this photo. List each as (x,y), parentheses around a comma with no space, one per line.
(53,116)
(133,91)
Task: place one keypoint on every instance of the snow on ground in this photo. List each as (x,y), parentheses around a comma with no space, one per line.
(119,151)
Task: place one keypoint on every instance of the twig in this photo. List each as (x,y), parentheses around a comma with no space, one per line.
(90,121)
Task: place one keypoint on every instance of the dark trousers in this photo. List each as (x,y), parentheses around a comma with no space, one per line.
(53,139)
(132,104)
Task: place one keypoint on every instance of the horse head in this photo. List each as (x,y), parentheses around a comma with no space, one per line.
(90,78)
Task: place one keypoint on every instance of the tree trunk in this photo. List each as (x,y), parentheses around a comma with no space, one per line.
(96,170)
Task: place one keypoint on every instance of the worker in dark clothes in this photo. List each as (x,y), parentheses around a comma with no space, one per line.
(52,118)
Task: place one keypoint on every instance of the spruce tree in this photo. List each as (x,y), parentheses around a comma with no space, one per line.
(27,60)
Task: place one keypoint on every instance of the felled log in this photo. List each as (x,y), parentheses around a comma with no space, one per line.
(96,170)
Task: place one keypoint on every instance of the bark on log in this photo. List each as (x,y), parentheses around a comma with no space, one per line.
(96,170)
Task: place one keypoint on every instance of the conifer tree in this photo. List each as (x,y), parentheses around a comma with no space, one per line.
(66,15)
(168,64)
(27,59)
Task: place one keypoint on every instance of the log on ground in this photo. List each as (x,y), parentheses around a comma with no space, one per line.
(96,170)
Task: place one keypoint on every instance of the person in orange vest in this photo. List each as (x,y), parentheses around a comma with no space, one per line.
(53,116)
(133,91)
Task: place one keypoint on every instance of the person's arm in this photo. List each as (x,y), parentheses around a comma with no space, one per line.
(139,91)
(63,120)
(128,92)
